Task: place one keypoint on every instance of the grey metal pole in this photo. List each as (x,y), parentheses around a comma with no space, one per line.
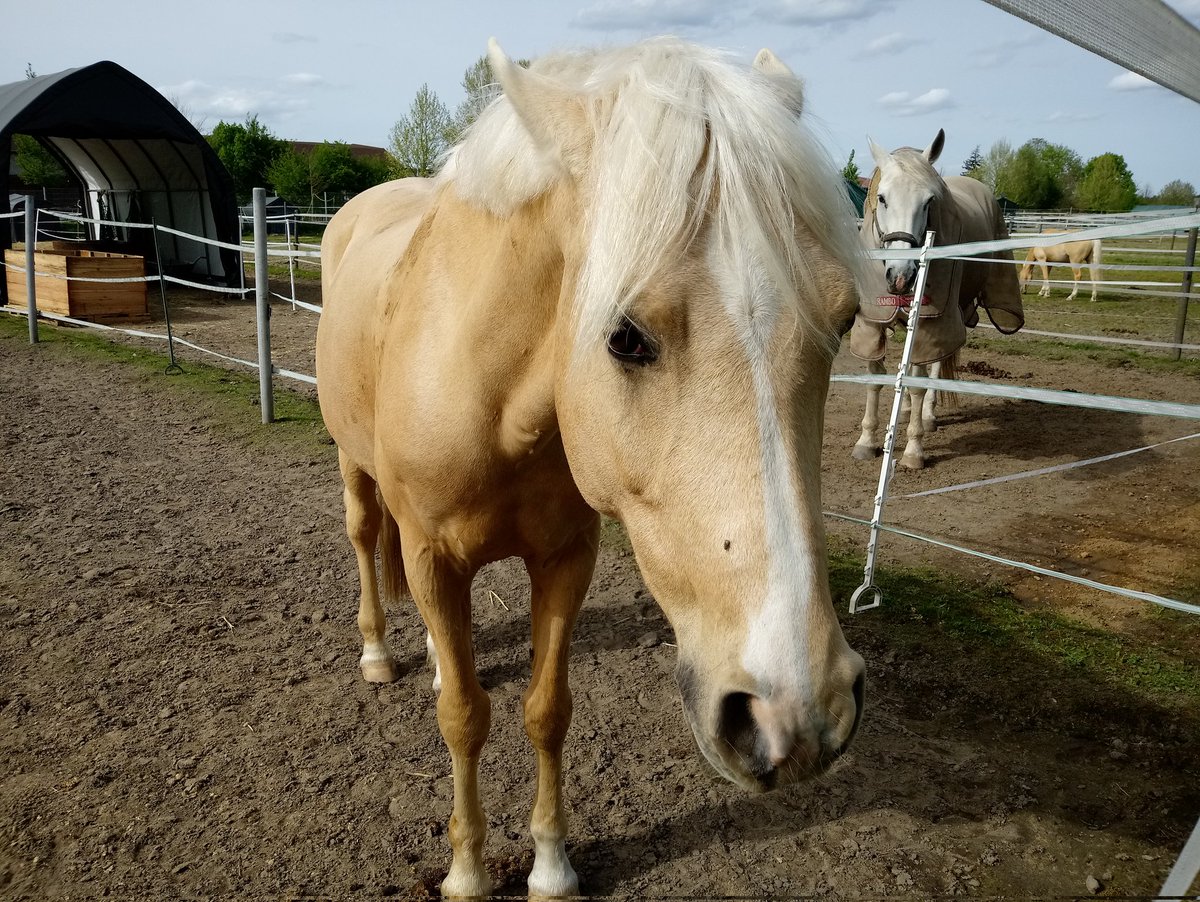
(263,304)
(30,266)
(1181,308)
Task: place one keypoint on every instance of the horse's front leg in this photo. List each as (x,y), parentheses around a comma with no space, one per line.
(929,411)
(867,447)
(363,519)
(914,452)
(1075,289)
(558,586)
(464,711)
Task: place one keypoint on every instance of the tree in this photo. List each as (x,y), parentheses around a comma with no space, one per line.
(419,139)
(1041,175)
(996,162)
(973,165)
(480,87)
(38,167)
(290,177)
(330,168)
(1107,185)
(247,151)
(850,170)
(1177,193)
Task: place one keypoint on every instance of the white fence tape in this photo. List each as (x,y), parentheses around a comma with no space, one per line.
(16,267)
(140,333)
(1022,565)
(1185,870)
(1042,395)
(1106,339)
(76,217)
(313,308)
(1042,471)
(970,249)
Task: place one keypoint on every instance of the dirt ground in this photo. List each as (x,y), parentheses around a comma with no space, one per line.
(181,714)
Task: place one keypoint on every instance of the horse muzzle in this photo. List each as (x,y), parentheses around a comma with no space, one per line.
(901,278)
(761,743)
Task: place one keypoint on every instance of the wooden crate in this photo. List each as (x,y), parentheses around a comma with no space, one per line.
(103,302)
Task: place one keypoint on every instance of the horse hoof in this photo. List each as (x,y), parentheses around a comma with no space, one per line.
(913,462)
(862,452)
(464,884)
(557,887)
(379,671)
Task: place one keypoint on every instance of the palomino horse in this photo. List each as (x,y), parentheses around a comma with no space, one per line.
(622,294)
(907,198)
(1076,253)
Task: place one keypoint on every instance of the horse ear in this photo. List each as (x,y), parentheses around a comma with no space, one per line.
(881,156)
(775,68)
(553,116)
(934,150)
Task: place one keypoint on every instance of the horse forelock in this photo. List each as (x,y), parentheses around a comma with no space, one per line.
(913,166)
(683,140)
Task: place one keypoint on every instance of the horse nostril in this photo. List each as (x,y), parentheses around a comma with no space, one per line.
(735,724)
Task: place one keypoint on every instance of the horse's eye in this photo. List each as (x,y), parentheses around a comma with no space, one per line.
(882,201)
(629,344)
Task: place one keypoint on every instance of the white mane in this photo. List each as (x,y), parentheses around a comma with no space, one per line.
(681,136)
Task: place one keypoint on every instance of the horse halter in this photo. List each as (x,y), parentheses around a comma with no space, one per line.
(896,236)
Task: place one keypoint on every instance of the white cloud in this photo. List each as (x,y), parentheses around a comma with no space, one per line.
(999,54)
(304,79)
(1131,81)
(1065,117)
(888,42)
(901,103)
(233,104)
(821,12)
(606,15)
(290,37)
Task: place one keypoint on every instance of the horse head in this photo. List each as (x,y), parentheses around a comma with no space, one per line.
(707,274)
(907,191)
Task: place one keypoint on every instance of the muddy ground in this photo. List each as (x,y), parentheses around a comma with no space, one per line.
(181,714)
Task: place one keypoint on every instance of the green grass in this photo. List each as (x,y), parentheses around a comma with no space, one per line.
(920,600)
(231,396)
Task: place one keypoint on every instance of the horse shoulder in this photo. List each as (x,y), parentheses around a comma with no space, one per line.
(364,240)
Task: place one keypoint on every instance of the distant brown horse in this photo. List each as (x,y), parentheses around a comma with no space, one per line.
(622,295)
(1076,253)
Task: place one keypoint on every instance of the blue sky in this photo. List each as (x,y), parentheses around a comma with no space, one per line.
(897,70)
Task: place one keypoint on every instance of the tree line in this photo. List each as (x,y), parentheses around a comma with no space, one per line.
(1041,175)
(416,146)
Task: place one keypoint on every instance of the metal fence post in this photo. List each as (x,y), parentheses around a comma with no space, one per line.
(1181,309)
(858,599)
(30,267)
(263,305)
